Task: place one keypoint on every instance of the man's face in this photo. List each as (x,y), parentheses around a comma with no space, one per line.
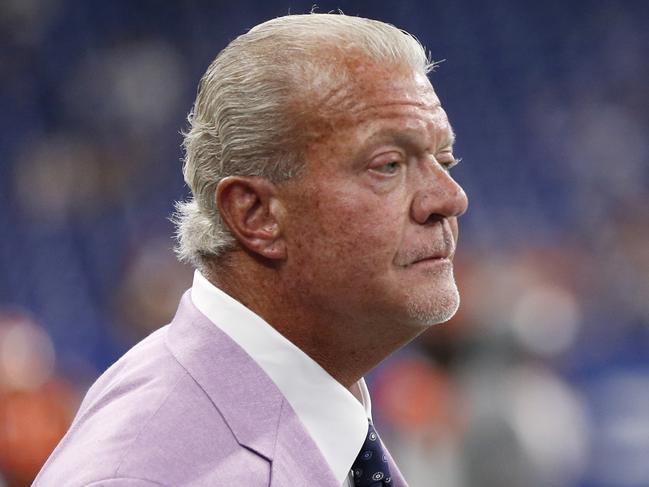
(371,223)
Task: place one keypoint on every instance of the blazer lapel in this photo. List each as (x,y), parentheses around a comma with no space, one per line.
(395,473)
(298,461)
(256,411)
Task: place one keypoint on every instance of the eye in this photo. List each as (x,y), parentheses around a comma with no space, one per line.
(448,165)
(388,168)
(387,163)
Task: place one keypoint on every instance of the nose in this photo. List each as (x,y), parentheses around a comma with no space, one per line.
(439,196)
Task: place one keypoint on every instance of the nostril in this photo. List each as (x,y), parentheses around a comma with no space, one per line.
(434,218)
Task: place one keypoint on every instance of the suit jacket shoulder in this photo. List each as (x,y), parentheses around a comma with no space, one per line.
(186,407)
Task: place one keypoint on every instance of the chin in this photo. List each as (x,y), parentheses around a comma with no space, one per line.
(427,309)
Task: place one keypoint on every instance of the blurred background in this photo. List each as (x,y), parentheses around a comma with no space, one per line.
(542,379)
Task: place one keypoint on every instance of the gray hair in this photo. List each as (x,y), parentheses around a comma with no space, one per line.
(251,100)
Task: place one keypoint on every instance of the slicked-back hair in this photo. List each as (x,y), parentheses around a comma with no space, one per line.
(247,117)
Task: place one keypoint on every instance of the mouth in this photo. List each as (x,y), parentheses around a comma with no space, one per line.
(433,259)
(430,252)
(442,253)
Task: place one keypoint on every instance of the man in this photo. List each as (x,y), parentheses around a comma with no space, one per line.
(323,226)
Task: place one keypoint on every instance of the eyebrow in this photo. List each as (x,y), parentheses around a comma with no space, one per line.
(411,137)
(450,139)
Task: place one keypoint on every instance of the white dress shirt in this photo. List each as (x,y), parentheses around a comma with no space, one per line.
(335,417)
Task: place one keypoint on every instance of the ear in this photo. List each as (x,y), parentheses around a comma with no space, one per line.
(251,210)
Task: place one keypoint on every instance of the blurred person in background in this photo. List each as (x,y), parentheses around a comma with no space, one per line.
(36,402)
(322,227)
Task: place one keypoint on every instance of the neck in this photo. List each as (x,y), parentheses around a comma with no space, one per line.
(339,343)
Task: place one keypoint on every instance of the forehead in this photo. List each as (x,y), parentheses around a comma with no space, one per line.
(360,83)
(375,100)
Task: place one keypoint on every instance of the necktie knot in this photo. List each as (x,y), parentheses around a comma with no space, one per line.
(370,469)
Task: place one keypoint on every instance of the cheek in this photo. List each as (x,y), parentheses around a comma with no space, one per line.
(454,228)
(347,226)
(357,230)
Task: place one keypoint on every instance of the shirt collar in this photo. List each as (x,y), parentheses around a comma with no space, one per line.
(335,418)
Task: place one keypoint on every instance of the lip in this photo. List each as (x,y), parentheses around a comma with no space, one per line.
(433,260)
(433,251)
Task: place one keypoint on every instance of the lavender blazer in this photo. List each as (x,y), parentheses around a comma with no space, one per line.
(187,407)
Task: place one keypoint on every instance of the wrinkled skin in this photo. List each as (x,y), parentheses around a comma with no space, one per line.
(352,258)
(371,223)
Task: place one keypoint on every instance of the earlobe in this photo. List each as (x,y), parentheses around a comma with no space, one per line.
(250,209)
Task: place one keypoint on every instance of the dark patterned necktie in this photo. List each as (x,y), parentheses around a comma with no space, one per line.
(370,469)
